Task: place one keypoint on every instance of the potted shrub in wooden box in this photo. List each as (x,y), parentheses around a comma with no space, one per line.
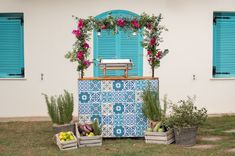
(157,132)
(66,140)
(60,110)
(185,119)
(89,134)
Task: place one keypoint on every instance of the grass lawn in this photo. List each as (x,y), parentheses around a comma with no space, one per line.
(35,138)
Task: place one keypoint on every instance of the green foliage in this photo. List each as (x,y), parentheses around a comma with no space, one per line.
(97,129)
(186,114)
(60,109)
(151,105)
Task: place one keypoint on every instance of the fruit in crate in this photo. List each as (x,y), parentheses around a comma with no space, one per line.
(149,130)
(66,136)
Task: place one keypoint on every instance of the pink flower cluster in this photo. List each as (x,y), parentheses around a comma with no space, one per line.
(135,24)
(156,57)
(77,32)
(120,22)
(149,26)
(153,41)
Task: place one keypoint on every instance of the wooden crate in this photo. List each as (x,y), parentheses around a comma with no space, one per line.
(85,141)
(67,145)
(160,137)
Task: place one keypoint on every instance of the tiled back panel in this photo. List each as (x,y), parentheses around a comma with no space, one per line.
(117,104)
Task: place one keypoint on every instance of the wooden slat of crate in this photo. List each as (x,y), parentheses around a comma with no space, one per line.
(90,145)
(160,142)
(160,138)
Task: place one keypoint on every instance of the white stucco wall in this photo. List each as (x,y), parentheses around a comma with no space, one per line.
(47,37)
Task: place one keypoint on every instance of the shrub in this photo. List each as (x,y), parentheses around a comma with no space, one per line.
(186,114)
(60,109)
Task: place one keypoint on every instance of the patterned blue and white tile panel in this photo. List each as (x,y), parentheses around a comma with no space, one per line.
(117,104)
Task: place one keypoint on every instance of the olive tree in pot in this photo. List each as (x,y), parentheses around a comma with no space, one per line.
(60,110)
(185,118)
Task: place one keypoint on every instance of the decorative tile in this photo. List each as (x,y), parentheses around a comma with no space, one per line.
(138,108)
(138,96)
(106,97)
(107,130)
(84,85)
(95,108)
(107,119)
(129,96)
(84,97)
(129,119)
(106,86)
(96,117)
(95,96)
(118,85)
(140,131)
(129,108)
(141,84)
(84,109)
(95,85)
(118,108)
(118,131)
(107,109)
(84,118)
(118,96)
(118,120)
(130,131)
(141,119)
(129,85)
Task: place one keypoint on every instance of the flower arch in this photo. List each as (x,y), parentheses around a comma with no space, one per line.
(152,32)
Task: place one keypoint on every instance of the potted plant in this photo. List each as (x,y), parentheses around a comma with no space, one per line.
(185,119)
(60,110)
(157,132)
(88,134)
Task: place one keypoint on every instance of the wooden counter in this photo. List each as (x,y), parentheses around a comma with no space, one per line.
(116,102)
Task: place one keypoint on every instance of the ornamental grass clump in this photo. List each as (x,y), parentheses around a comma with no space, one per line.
(152,109)
(60,109)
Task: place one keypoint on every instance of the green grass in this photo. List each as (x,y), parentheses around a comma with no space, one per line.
(36,138)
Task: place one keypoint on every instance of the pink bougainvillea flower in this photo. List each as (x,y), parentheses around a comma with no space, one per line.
(135,23)
(149,26)
(80,23)
(86,45)
(159,55)
(149,52)
(77,33)
(120,22)
(150,59)
(103,27)
(153,41)
(87,63)
(80,55)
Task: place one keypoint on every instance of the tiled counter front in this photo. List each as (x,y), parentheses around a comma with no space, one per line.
(117,104)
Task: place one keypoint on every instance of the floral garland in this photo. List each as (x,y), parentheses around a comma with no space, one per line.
(152,32)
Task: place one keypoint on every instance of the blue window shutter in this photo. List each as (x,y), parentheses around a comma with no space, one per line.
(130,48)
(224,45)
(121,45)
(106,48)
(11,47)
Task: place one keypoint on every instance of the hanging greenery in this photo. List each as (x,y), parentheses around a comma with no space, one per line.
(152,33)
